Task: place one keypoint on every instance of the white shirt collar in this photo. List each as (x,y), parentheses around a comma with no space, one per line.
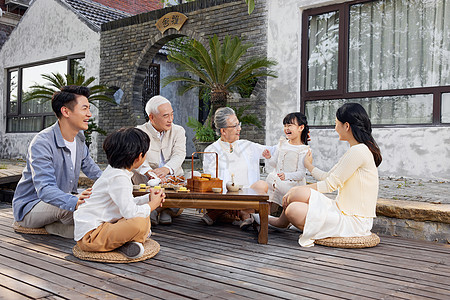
(160,135)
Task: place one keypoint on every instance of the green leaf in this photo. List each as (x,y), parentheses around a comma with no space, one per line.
(246,119)
(203,132)
(193,123)
(222,68)
(251,5)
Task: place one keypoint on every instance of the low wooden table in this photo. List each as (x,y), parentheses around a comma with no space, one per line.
(243,199)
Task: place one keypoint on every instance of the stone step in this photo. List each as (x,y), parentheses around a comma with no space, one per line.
(413,219)
(414,210)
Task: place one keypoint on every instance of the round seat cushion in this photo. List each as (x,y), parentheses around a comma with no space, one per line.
(350,242)
(151,249)
(20,229)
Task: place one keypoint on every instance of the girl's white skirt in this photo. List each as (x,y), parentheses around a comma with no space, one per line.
(324,219)
(278,188)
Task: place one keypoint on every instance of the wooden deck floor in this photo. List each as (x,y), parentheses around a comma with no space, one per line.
(10,175)
(197,261)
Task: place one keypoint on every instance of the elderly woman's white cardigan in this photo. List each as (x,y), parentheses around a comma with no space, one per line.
(251,153)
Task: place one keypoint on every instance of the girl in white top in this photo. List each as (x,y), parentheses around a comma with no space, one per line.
(287,159)
(355,177)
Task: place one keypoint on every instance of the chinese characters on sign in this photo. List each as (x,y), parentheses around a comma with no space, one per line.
(171,20)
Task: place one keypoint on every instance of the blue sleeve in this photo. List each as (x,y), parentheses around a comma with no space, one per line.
(88,166)
(42,165)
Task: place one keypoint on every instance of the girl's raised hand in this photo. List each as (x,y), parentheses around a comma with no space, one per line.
(266,154)
(308,158)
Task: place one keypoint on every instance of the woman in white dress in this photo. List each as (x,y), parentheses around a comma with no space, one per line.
(355,177)
(237,158)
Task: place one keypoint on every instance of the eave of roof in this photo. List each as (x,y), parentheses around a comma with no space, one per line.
(94,14)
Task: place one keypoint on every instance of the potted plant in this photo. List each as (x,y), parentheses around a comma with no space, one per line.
(204,134)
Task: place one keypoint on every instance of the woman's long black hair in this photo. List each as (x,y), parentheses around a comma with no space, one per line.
(355,115)
(301,120)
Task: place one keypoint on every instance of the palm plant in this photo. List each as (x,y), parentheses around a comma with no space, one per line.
(221,70)
(55,81)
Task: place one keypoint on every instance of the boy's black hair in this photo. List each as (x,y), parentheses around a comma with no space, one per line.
(67,97)
(300,119)
(123,146)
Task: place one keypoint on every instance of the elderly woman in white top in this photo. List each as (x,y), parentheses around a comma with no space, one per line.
(237,158)
(355,176)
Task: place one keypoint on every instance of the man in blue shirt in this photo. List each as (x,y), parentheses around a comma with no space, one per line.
(46,195)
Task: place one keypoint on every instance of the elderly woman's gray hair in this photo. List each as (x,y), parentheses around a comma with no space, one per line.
(221,116)
(152,105)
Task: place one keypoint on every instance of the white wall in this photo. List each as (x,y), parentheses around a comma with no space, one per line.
(48,30)
(419,152)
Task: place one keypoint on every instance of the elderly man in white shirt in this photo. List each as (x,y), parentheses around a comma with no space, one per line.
(166,153)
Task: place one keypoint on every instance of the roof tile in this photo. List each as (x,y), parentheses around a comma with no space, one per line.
(96,13)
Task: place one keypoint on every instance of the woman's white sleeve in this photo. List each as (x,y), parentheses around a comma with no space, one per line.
(272,161)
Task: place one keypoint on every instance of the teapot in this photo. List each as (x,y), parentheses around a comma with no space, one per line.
(231,186)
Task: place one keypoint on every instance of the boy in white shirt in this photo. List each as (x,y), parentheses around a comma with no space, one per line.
(112,218)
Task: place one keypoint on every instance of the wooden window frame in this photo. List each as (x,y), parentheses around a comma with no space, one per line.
(19,70)
(342,88)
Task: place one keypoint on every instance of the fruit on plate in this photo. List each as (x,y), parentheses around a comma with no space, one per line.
(183,189)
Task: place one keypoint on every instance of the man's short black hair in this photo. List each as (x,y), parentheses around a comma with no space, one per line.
(123,146)
(67,97)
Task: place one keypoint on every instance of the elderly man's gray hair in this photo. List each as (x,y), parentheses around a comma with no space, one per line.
(221,116)
(152,105)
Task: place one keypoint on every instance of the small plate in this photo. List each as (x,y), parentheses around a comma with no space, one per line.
(217,190)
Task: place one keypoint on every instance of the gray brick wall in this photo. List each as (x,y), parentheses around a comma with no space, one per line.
(128,46)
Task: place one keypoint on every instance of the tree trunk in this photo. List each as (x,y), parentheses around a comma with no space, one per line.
(218,99)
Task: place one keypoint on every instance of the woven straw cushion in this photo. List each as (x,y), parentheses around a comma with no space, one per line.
(151,249)
(19,229)
(350,242)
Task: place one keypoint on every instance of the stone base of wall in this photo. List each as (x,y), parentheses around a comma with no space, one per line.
(410,229)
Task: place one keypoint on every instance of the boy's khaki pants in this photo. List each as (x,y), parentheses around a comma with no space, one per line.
(110,236)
